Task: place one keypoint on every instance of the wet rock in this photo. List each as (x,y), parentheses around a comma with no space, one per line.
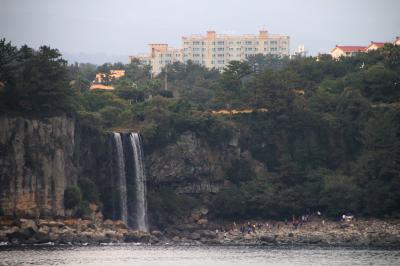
(21,235)
(268,239)
(207,234)
(248,236)
(154,239)
(156,233)
(41,237)
(136,236)
(210,241)
(67,238)
(195,236)
(176,239)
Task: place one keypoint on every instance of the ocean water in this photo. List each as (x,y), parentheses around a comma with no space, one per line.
(194,255)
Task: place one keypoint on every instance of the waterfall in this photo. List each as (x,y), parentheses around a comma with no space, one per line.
(123,205)
(140,181)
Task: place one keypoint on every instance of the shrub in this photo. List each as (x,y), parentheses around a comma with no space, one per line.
(83,210)
(166,206)
(72,197)
(89,190)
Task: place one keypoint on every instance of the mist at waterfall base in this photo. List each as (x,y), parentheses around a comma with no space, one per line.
(131,170)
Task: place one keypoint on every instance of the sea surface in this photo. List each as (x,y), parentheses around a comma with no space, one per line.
(194,255)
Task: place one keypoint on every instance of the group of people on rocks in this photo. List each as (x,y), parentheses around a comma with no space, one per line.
(297,222)
(249,227)
(305,218)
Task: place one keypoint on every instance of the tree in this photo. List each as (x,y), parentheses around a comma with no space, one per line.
(72,197)
(35,80)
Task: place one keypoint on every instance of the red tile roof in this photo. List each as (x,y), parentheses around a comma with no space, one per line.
(378,44)
(351,49)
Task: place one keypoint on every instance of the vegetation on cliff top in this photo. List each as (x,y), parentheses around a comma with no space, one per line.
(330,139)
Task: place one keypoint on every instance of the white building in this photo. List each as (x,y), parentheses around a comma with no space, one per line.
(215,50)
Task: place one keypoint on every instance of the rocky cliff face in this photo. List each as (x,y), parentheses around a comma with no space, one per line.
(36,164)
(39,158)
(190,165)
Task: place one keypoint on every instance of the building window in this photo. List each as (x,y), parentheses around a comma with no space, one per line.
(220,49)
(220,43)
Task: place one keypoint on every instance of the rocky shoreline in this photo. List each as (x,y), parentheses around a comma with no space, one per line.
(360,233)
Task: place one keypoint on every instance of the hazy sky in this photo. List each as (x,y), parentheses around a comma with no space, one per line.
(100,30)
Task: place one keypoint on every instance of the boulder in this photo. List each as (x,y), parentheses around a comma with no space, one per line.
(207,234)
(6,222)
(154,239)
(41,237)
(268,239)
(195,236)
(248,236)
(20,236)
(120,224)
(196,215)
(202,221)
(176,239)
(71,222)
(136,236)
(28,224)
(204,211)
(156,233)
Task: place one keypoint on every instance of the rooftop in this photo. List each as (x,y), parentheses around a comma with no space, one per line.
(351,49)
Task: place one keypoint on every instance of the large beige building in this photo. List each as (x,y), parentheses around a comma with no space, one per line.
(215,50)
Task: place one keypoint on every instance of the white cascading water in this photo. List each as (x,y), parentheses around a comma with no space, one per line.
(121,178)
(140,181)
